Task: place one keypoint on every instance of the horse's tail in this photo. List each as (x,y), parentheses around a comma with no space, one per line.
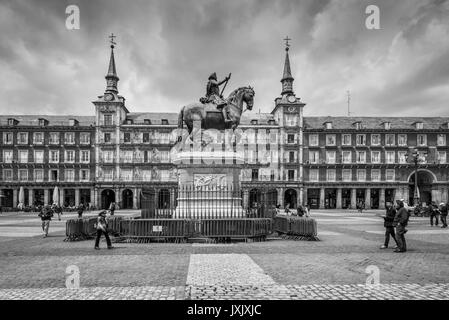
(180,124)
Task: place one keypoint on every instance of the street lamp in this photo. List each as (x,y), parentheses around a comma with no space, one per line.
(415,159)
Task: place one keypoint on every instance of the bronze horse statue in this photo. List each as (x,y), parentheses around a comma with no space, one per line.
(211,117)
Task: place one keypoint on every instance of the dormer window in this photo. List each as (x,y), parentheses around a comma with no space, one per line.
(387,125)
(419,125)
(164,121)
(271,122)
(12,122)
(254,122)
(358,125)
(73,122)
(43,122)
(328,125)
(129,121)
(146,121)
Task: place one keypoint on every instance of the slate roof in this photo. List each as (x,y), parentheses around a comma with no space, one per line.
(33,120)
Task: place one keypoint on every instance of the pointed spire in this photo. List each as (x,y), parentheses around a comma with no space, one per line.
(287,78)
(111,77)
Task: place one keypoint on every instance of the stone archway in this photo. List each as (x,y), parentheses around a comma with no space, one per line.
(127,199)
(426,180)
(290,198)
(107,196)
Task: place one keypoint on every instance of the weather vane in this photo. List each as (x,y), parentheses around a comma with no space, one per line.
(287,45)
(113,43)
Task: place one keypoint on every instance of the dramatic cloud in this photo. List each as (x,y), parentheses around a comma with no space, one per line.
(167,49)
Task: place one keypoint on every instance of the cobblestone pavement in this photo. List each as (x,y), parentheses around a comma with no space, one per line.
(33,267)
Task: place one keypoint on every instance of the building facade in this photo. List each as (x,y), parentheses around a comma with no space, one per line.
(122,156)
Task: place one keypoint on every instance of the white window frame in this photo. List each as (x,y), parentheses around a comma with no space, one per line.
(9,159)
(358,139)
(312,138)
(343,174)
(72,158)
(388,158)
(331,160)
(21,159)
(418,143)
(82,158)
(314,175)
(69,179)
(9,176)
(87,175)
(389,135)
(50,156)
(378,139)
(35,175)
(442,157)
(35,135)
(387,171)
(373,152)
(19,174)
(69,134)
(441,140)
(8,134)
(402,136)
(19,140)
(379,175)
(50,176)
(402,157)
(36,158)
(343,139)
(84,140)
(314,152)
(331,140)
(357,155)
(343,156)
(54,138)
(331,175)
(359,171)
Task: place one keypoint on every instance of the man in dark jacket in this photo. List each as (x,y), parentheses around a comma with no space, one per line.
(389,226)
(444,210)
(80,210)
(401,221)
(46,214)
(434,213)
(102,228)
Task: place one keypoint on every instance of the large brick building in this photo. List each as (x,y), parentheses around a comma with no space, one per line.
(118,155)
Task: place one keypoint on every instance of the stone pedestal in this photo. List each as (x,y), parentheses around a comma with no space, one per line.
(208,184)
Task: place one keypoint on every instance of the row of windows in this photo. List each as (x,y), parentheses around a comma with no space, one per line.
(37,175)
(361,157)
(39,138)
(376,140)
(136,157)
(347,175)
(23,156)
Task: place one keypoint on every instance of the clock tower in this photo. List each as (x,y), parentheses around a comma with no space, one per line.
(288,112)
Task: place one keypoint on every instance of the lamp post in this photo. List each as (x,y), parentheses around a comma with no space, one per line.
(415,159)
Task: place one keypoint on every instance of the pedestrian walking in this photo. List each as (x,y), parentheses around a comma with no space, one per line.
(444,209)
(112,208)
(434,213)
(57,209)
(389,225)
(102,228)
(46,214)
(401,221)
(80,210)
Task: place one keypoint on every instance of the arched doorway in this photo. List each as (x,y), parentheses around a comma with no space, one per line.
(290,197)
(127,199)
(425,182)
(255,198)
(163,199)
(107,196)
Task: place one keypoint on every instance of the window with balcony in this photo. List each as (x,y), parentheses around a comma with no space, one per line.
(54,156)
(7,156)
(85,156)
(330,157)
(84,138)
(108,156)
(314,156)
(313,175)
(38,175)
(39,156)
(69,175)
(54,138)
(441,157)
(331,140)
(107,137)
(346,139)
(23,175)
(402,140)
(331,175)
(375,156)
(69,156)
(361,156)
(441,140)
(361,139)
(291,175)
(361,175)
(375,139)
(402,157)
(313,140)
(389,175)
(22,138)
(422,140)
(38,138)
(23,156)
(290,138)
(84,175)
(346,175)
(389,140)
(346,157)
(108,174)
(7,138)
(107,119)
(375,175)
(390,157)
(7,175)
(69,138)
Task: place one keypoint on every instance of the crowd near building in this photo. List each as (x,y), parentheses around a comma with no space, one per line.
(120,156)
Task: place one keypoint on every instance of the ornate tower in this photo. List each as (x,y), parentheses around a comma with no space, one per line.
(287,78)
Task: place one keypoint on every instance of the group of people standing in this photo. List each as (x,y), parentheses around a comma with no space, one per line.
(397,216)
(438,212)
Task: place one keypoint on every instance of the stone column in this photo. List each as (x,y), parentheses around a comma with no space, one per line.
(281,197)
(77,197)
(135,195)
(30,197)
(305,196)
(339,198)
(301,196)
(45,196)
(322,196)
(97,200)
(118,197)
(368,198)
(382,198)
(353,198)
(15,194)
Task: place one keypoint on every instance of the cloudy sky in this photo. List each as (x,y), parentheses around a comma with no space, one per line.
(166,50)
